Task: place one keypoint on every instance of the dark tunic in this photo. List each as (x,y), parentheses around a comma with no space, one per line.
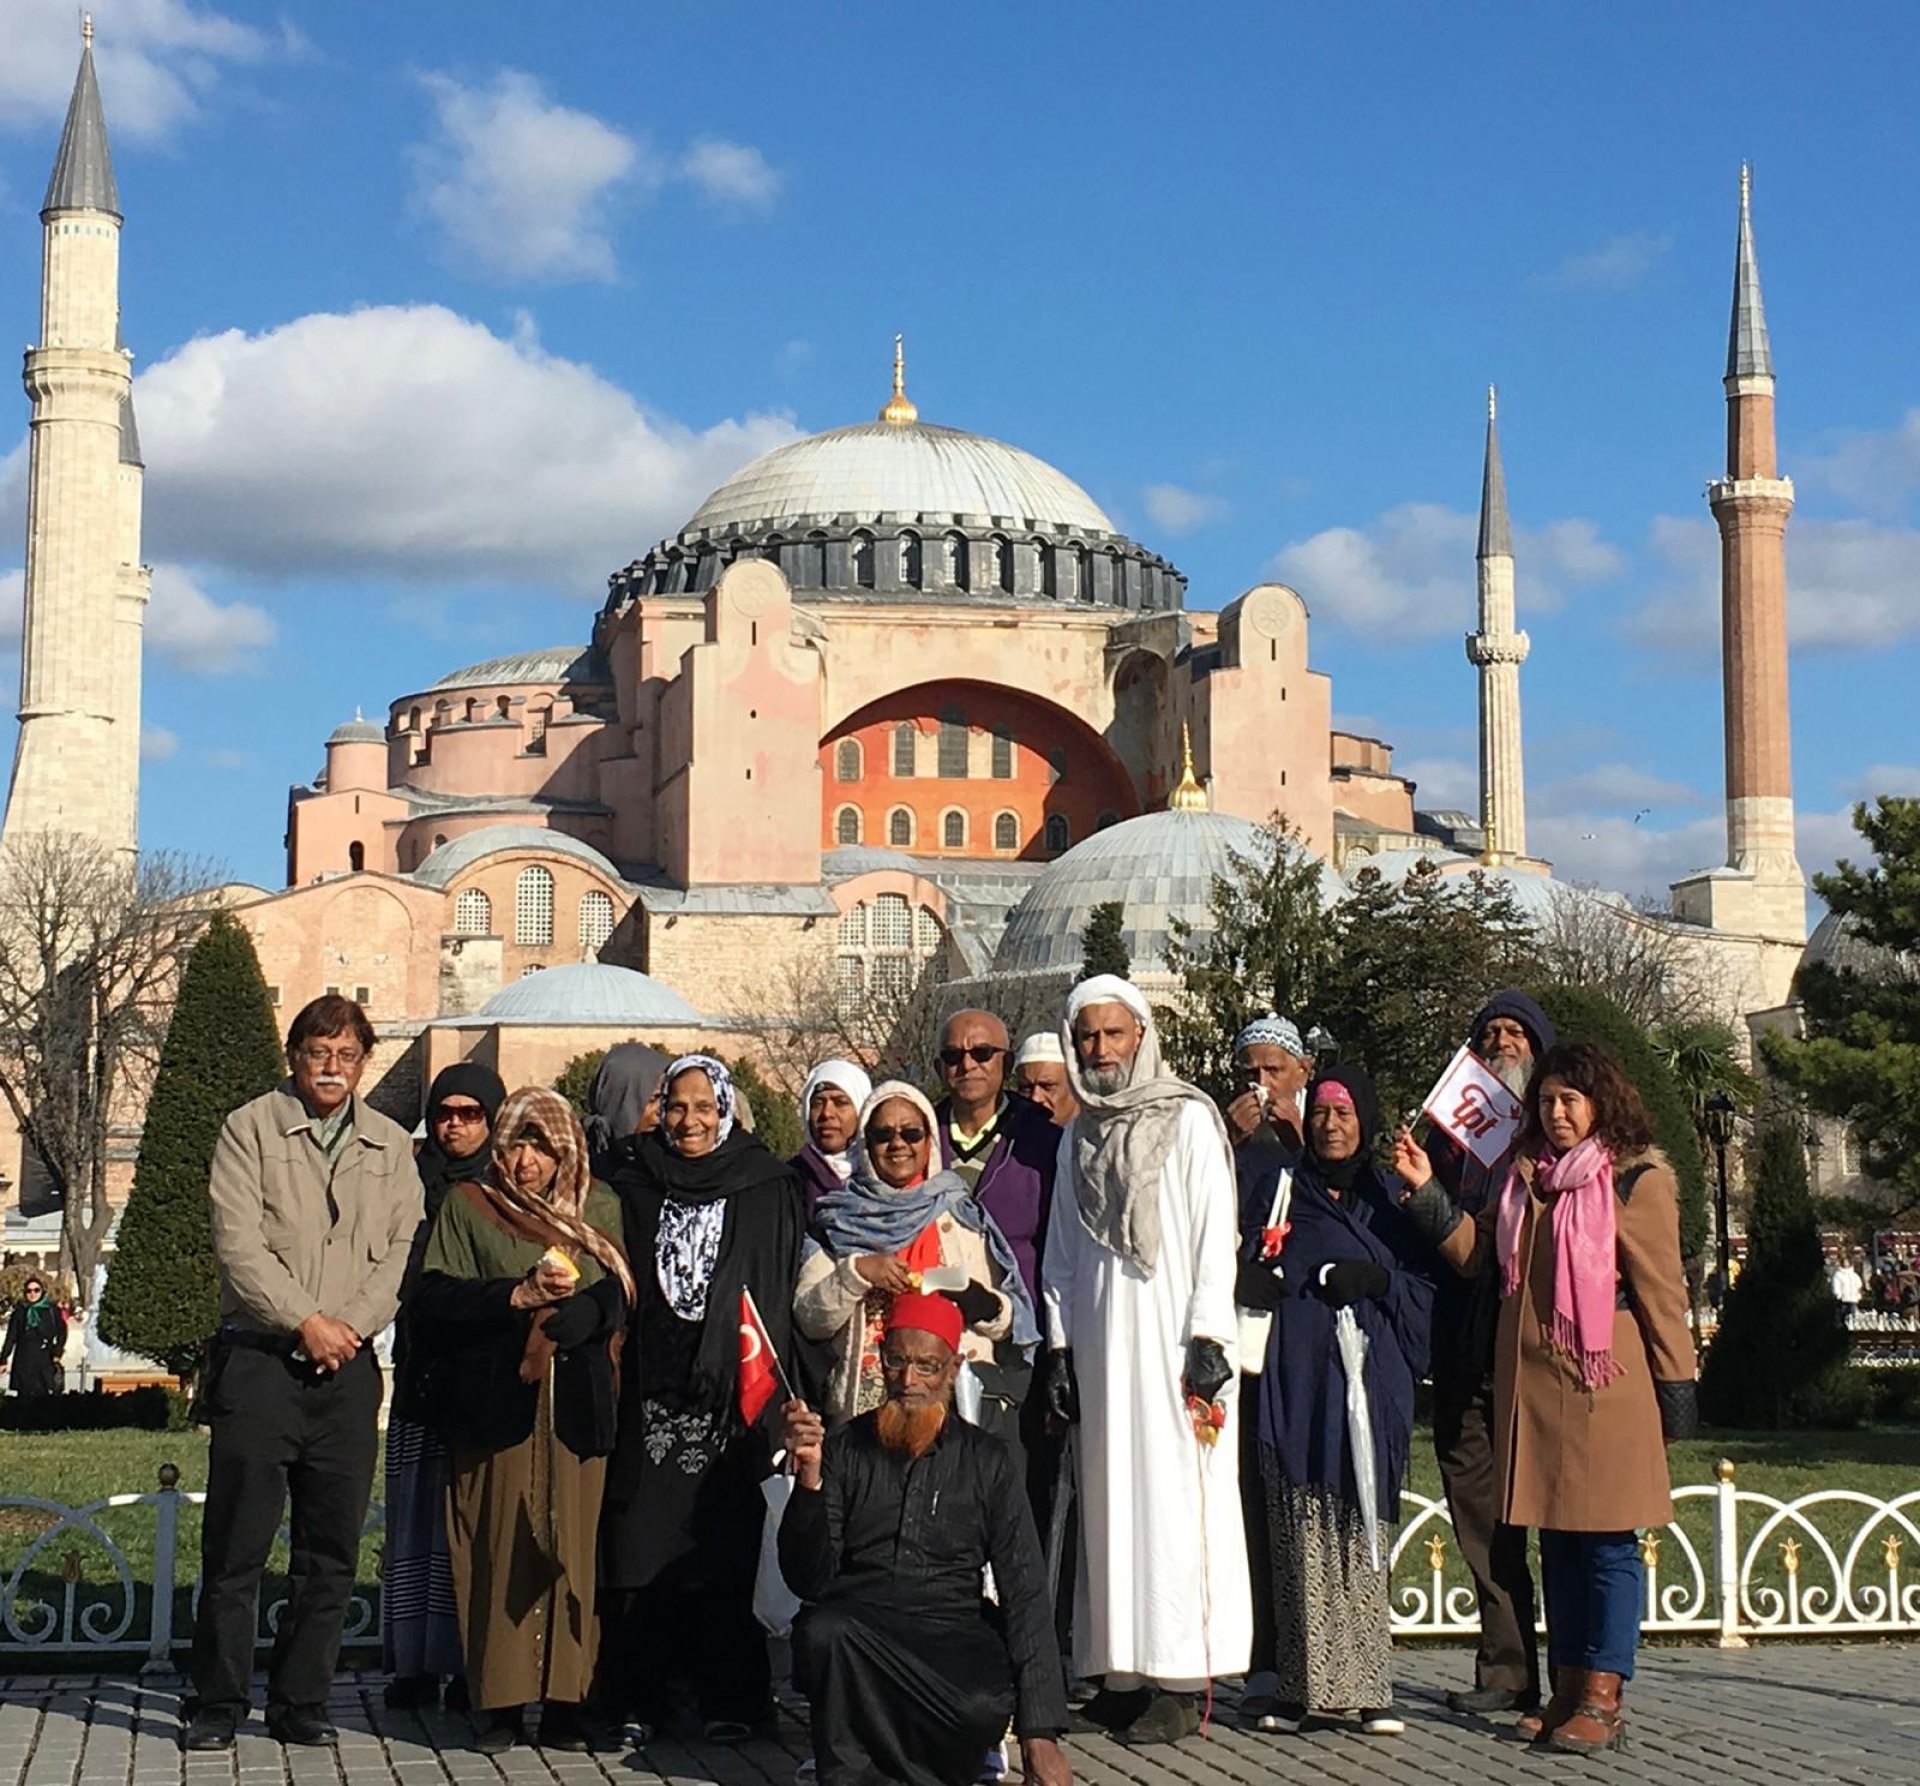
(911,1673)
(35,1338)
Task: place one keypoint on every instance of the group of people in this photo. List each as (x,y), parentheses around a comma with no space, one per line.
(1068,1359)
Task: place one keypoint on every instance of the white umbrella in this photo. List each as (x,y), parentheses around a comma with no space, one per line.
(1353,1360)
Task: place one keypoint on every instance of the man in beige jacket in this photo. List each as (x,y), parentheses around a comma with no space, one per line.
(315,1201)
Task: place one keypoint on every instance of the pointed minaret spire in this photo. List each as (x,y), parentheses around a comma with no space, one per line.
(1749,353)
(1496,536)
(83,169)
(1497,651)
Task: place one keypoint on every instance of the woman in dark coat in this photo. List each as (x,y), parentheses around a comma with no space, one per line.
(36,1336)
(419,1623)
(710,1213)
(1346,1245)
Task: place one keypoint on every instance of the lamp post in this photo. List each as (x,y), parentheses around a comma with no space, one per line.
(1717,1118)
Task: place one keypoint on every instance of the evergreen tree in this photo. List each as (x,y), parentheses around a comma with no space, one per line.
(162,1298)
(1782,1338)
(1859,1059)
(575,1079)
(776,1118)
(1102,948)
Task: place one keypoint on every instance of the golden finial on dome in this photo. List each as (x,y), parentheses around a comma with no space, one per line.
(1189,796)
(899,407)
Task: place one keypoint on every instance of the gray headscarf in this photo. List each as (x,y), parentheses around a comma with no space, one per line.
(1121,1139)
(628,1076)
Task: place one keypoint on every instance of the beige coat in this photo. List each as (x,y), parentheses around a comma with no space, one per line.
(831,1297)
(1573,1459)
(296,1234)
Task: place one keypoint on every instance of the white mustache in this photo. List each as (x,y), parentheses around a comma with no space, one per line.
(332,1079)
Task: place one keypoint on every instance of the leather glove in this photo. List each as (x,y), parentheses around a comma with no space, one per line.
(1062,1390)
(1432,1213)
(1258,1286)
(977,1304)
(1207,1371)
(573,1322)
(1348,1281)
(1679,1410)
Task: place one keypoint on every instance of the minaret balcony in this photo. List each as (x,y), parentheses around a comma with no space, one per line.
(1497,648)
(1759,491)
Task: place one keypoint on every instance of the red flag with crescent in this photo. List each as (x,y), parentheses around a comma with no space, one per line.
(759,1366)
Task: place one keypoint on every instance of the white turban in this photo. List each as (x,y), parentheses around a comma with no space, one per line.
(1108,989)
(1042,1045)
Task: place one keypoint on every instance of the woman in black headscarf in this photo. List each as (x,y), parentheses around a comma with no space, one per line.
(419,1627)
(710,1213)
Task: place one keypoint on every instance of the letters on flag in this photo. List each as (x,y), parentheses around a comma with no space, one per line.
(759,1365)
(1475,1109)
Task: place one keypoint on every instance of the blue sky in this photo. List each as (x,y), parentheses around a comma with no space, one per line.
(444,311)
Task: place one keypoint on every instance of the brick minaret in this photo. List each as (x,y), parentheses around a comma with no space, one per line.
(1761,891)
(76,764)
(1497,650)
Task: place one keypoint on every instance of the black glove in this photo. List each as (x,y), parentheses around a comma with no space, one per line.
(1207,1371)
(1432,1213)
(1679,1410)
(1348,1281)
(573,1322)
(977,1304)
(1060,1390)
(1258,1286)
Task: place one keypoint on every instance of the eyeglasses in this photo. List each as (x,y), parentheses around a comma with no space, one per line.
(911,1133)
(952,1057)
(464,1113)
(333,1057)
(926,1369)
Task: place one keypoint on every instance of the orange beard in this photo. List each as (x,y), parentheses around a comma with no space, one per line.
(912,1430)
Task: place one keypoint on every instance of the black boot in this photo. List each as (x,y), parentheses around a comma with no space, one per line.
(1168,1717)
(1108,1711)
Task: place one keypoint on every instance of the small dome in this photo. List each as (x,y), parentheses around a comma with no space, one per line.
(586,995)
(1837,945)
(358,731)
(560,663)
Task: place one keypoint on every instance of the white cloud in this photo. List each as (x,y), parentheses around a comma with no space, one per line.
(157,744)
(1897,779)
(412,443)
(1608,787)
(1877,470)
(522,186)
(735,175)
(194,632)
(1409,573)
(1174,510)
(158,61)
(1851,585)
(1442,784)
(1617,264)
(13,595)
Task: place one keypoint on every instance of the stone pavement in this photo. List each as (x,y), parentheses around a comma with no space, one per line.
(1760,1717)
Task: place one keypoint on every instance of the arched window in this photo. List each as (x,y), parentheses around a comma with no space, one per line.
(846,760)
(1082,574)
(1002,564)
(853,928)
(813,562)
(910,562)
(503,706)
(468,712)
(533,907)
(953,830)
(473,914)
(413,719)
(1059,833)
(356,857)
(439,837)
(892,922)
(1049,568)
(846,825)
(442,712)
(1106,819)
(953,560)
(596,921)
(1006,831)
(537,730)
(1003,756)
(900,828)
(953,744)
(903,749)
(926,931)
(863,560)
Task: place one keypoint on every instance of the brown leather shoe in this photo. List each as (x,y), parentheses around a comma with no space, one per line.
(1598,1723)
(1536,1727)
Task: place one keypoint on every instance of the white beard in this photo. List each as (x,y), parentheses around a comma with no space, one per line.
(1513,1074)
(1105,1081)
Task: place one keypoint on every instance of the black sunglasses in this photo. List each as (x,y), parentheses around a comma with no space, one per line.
(911,1133)
(952,1057)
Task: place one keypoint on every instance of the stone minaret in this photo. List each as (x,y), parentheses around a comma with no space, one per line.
(1761,891)
(1497,651)
(76,764)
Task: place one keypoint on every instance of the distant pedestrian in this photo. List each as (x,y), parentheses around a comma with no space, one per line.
(36,1336)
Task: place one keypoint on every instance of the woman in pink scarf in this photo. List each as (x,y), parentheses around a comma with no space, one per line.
(1593,1368)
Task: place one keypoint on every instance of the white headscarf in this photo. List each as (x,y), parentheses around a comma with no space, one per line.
(846,1077)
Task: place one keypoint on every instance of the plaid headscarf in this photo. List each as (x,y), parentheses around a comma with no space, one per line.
(562,1206)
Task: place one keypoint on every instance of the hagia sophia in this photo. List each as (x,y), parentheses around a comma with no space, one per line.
(895,699)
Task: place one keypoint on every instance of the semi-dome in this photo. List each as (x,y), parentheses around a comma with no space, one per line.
(585,995)
(446,861)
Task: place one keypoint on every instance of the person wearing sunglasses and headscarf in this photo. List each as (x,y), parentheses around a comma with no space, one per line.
(711,1214)
(830,1104)
(36,1336)
(1345,1245)
(894,1225)
(521,1305)
(419,1623)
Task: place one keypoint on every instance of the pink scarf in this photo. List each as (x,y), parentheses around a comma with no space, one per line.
(1585,1270)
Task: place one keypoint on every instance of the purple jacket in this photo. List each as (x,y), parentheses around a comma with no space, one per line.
(1016,1183)
(817,1178)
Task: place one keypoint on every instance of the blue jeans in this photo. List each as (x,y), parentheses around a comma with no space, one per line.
(1592,1585)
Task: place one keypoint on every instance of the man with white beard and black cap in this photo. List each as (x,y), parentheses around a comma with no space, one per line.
(1508,1035)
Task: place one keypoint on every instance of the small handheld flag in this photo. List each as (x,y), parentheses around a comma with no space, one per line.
(1475,1109)
(761,1373)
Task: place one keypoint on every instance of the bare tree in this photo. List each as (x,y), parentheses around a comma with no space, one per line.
(91,948)
(1636,955)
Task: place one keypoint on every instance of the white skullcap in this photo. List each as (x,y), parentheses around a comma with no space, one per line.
(1108,989)
(1278,1032)
(1043,1044)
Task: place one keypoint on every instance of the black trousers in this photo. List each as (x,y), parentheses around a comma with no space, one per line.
(893,1699)
(277,1432)
(1495,1553)
(1253,1512)
(702,1634)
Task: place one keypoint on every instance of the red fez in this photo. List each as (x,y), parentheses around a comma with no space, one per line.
(937,1315)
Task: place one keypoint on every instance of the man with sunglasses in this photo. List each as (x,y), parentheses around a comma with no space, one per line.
(36,1336)
(315,1199)
(910,1674)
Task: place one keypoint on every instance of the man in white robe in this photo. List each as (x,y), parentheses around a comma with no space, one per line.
(1139,1274)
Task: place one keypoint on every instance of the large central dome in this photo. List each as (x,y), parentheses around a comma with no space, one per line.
(901,470)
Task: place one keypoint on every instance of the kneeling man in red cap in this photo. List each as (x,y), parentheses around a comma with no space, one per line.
(910,1672)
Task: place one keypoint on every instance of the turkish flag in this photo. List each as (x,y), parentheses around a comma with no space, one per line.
(759,1365)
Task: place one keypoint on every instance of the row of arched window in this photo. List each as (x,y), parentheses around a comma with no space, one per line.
(472,712)
(955,829)
(849,757)
(533,906)
(882,950)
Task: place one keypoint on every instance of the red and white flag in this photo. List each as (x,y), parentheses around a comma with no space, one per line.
(1475,1109)
(761,1377)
